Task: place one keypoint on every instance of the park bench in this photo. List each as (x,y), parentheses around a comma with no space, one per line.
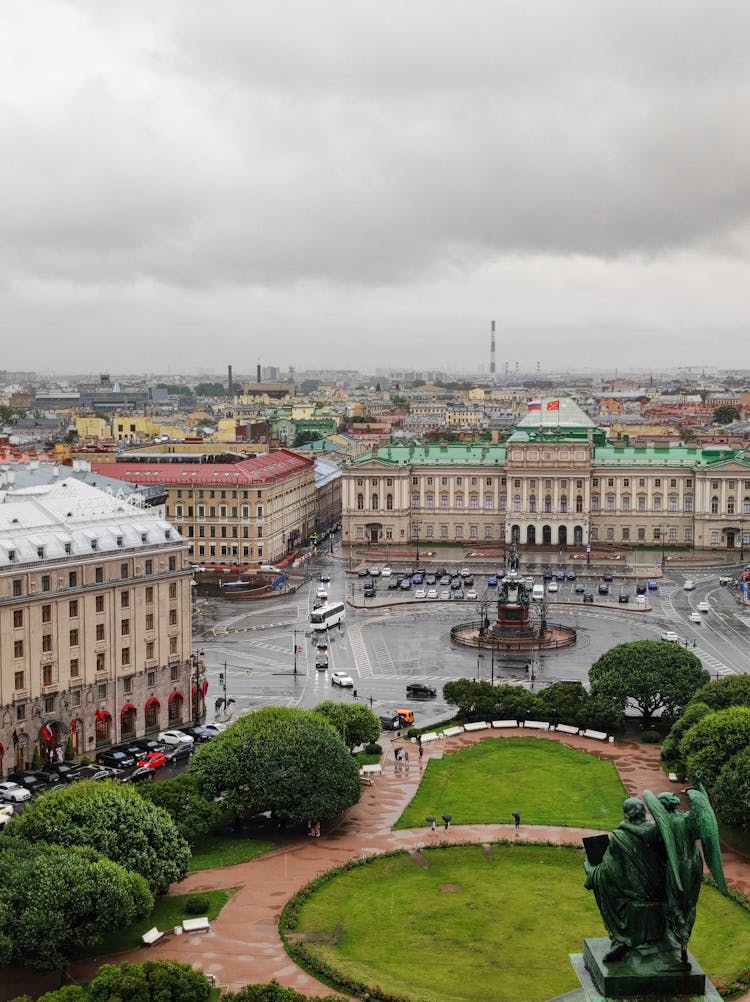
(430,736)
(504,723)
(151,937)
(375,769)
(567,728)
(477,725)
(196,924)
(451,732)
(596,735)
(537,725)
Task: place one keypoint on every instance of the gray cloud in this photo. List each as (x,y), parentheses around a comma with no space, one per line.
(382,178)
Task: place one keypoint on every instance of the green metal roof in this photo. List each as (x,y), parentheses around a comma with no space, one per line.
(666,455)
(437,455)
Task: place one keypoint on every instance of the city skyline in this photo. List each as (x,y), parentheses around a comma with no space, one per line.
(187,187)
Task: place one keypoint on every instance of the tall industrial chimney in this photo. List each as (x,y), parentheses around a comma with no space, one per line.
(230,384)
(258,379)
(492,350)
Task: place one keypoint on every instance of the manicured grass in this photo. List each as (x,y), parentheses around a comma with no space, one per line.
(463,925)
(547,782)
(168,913)
(226,850)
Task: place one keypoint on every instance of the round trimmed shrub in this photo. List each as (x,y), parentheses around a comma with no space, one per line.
(650,737)
(196,905)
(373,749)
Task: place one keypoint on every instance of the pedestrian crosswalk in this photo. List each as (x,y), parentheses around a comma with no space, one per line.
(359,652)
(713,665)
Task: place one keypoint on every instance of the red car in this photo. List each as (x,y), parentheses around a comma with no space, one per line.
(154,760)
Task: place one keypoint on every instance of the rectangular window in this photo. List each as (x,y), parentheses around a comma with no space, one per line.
(610,535)
(46,674)
(173,590)
(47,642)
(641,535)
(17,618)
(625,534)
(46,613)
(173,617)
(45,582)
(125,656)
(150,647)
(72,579)
(75,668)
(18,648)
(99,575)
(73,609)
(149,595)
(149,567)
(488,532)
(17,587)
(474,532)
(173,645)
(127,685)
(101,690)
(100,631)
(149,621)
(101,665)
(715,538)
(18,680)
(73,638)
(688,535)
(173,563)
(123,570)
(125,627)
(125,600)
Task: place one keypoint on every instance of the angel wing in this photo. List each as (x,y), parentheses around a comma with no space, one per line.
(661,816)
(703,823)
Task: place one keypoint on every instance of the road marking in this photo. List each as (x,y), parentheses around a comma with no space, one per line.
(359,651)
(713,665)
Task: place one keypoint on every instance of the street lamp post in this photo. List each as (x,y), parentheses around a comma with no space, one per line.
(663,544)
(415,527)
(296,648)
(199,667)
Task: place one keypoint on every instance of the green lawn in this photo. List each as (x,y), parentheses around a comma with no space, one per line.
(548,783)
(226,850)
(168,913)
(465,925)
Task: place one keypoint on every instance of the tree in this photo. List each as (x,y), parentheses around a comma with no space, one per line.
(730,795)
(55,899)
(726,414)
(670,749)
(563,702)
(282,759)
(714,740)
(718,694)
(115,820)
(482,701)
(356,724)
(211,390)
(658,677)
(194,816)
(273,992)
(154,981)
(68,993)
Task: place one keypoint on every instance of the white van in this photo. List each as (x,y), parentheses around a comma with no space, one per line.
(537,592)
(689,585)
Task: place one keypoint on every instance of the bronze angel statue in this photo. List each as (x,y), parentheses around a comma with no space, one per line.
(648,880)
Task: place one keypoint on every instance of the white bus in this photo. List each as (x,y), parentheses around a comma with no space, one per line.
(327,615)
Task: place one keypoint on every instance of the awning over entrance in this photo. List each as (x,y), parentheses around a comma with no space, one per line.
(103,715)
(153,702)
(175,695)
(128,708)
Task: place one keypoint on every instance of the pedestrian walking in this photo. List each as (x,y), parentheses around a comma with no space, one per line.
(433,824)
(447,818)
(421,753)
(516,820)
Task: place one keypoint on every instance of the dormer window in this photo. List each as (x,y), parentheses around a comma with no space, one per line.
(40,552)
(11,555)
(94,544)
(167,533)
(68,549)
(144,537)
(119,541)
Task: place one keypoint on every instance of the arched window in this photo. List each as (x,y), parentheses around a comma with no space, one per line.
(532,504)
(626,502)
(153,707)
(174,707)
(595,502)
(730,505)
(547,503)
(673,502)
(563,503)
(714,505)
(360,502)
(657,502)
(374,502)
(459,500)
(127,719)
(531,535)
(389,502)
(516,503)
(579,504)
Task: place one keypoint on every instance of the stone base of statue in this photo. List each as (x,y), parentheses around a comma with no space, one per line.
(648,973)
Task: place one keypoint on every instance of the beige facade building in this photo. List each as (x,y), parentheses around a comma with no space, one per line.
(251,511)
(95,622)
(554,482)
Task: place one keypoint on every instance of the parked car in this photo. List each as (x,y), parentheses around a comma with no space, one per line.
(418,690)
(432,593)
(468,581)
(579,588)
(154,760)
(703,607)
(472,594)
(14,792)
(363,572)
(406,584)
(390,723)
(608,576)
(31,781)
(420,593)
(547,574)
(137,774)
(445,594)
(456,583)
(394,584)
(114,759)
(374,572)
(623,598)
(465,572)
(492,581)
(341,679)
(458,593)
(653,586)
(695,617)
(669,636)
(198,734)
(588,596)
(553,587)
(67,772)
(571,575)
(175,737)
(370,591)
(528,583)
(416,579)
(689,585)
(430,579)
(407,572)
(215,727)
(603,588)
(386,572)
(321,662)
(171,752)
(98,772)
(640,589)
(444,581)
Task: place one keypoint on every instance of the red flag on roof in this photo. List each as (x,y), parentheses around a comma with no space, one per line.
(553,405)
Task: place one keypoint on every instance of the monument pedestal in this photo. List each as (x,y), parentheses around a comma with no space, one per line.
(649,973)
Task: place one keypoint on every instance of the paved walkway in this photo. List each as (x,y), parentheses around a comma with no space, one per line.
(243,944)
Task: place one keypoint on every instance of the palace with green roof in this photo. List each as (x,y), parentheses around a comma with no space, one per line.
(555,481)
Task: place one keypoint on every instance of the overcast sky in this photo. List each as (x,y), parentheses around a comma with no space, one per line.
(339,184)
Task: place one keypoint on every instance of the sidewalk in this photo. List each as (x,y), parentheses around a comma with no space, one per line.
(243,945)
